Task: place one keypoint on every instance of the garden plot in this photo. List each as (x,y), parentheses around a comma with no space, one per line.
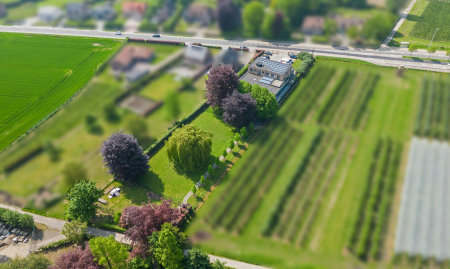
(436,15)
(423,226)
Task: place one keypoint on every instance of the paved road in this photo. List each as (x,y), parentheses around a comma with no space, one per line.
(398,24)
(394,55)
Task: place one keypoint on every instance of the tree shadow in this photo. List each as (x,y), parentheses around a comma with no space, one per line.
(95,130)
(412,17)
(150,182)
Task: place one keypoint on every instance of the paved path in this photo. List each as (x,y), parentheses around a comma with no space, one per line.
(398,24)
(235,264)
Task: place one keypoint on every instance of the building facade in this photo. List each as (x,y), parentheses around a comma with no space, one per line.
(271,69)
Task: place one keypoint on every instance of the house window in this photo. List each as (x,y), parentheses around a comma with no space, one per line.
(268,75)
(278,77)
(273,75)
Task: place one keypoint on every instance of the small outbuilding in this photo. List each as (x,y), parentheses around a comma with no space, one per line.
(49,14)
(131,55)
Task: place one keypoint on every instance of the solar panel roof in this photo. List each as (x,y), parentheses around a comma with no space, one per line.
(275,67)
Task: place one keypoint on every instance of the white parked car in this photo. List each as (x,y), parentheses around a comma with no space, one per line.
(118,33)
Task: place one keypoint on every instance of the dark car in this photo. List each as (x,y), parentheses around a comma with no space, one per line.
(293,56)
(156,35)
(268,53)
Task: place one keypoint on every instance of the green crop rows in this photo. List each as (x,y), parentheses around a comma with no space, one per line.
(39,74)
(436,15)
(369,232)
(433,115)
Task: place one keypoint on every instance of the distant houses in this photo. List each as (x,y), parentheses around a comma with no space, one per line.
(132,61)
(197,55)
(77,11)
(199,13)
(104,13)
(3,11)
(135,10)
(228,57)
(49,14)
(313,25)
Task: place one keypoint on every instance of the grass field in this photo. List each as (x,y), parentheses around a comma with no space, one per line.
(40,73)
(296,197)
(421,23)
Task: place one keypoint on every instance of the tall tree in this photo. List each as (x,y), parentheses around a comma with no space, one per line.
(77,258)
(266,103)
(141,222)
(108,252)
(83,198)
(75,231)
(228,15)
(189,147)
(167,245)
(244,87)
(197,259)
(252,17)
(172,105)
(276,26)
(222,81)
(239,109)
(294,9)
(123,157)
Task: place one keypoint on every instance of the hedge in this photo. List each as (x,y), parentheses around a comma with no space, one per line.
(111,227)
(16,219)
(38,212)
(243,70)
(199,109)
(54,245)
(23,159)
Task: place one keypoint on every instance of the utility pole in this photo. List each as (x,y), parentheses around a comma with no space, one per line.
(433,37)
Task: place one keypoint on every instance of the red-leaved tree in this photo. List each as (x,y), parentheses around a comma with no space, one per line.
(141,222)
(77,258)
(221,82)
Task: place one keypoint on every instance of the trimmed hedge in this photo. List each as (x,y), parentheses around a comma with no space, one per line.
(111,227)
(202,107)
(16,219)
(243,70)
(38,212)
(54,245)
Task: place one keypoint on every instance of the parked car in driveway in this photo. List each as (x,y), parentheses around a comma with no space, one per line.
(268,53)
(293,56)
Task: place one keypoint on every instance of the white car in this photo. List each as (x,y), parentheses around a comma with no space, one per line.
(118,33)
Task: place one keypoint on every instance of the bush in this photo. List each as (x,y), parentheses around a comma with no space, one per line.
(148,27)
(111,227)
(244,132)
(224,153)
(243,70)
(117,216)
(266,103)
(244,87)
(304,56)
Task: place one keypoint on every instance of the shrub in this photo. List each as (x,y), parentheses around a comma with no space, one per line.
(266,103)
(111,227)
(76,258)
(231,146)
(244,87)
(224,153)
(189,147)
(210,170)
(243,132)
(117,216)
(147,26)
(202,180)
(239,109)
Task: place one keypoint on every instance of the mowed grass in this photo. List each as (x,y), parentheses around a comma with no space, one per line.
(293,200)
(412,30)
(158,89)
(46,71)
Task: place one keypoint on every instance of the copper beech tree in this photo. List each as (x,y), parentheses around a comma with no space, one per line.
(141,222)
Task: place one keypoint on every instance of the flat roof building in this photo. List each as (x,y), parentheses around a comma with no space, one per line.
(271,69)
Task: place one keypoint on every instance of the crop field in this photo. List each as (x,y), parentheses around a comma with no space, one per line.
(433,115)
(40,73)
(436,15)
(317,187)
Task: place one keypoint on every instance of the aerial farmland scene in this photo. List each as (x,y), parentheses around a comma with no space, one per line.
(224,134)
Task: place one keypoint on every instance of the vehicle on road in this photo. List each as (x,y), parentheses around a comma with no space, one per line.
(268,53)
(118,33)
(156,35)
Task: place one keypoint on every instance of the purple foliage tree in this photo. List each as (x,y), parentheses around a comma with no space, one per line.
(77,258)
(123,157)
(222,81)
(228,15)
(141,222)
(239,109)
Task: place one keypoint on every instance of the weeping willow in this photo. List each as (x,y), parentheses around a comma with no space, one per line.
(189,147)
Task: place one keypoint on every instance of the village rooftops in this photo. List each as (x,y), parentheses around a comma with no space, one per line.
(131,54)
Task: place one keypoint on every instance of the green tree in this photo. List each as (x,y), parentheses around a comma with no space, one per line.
(330,27)
(219,265)
(431,50)
(108,252)
(224,153)
(172,105)
(83,197)
(194,189)
(202,180)
(35,261)
(210,170)
(189,147)
(266,103)
(353,32)
(375,29)
(74,172)
(75,231)
(275,26)
(237,137)
(197,259)
(117,216)
(244,87)
(167,246)
(26,221)
(111,114)
(243,132)
(413,48)
(137,126)
(294,9)
(217,160)
(231,146)
(253,16)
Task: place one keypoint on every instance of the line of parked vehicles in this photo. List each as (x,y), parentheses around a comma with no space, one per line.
(20,236)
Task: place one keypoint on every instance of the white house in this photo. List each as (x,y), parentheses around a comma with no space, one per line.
(49,14)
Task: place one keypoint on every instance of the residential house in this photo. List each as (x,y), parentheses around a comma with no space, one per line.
(271,69)
(135,10)
(77,11)
(199,13)
(164,13)
(49,14)
(313,25)
(197,55)
(229,57)
(103,13)
(344,23)
(3,11)
(129,56)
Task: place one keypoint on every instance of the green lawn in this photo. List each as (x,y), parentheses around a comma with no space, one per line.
(296,64)
(42,72)
(404,34)
(158,88)
(293,201)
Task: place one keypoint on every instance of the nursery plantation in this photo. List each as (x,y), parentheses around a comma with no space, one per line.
(321,184)
(436,15)
(39,74)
